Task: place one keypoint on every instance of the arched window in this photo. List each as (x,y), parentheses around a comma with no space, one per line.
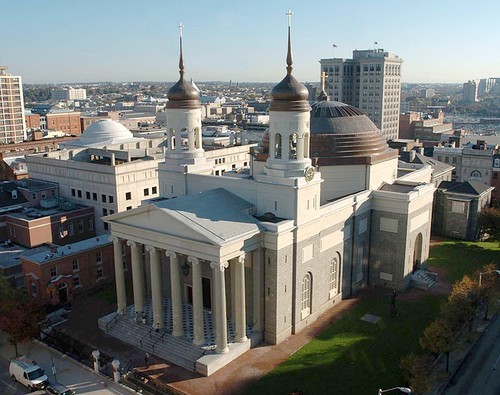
(334,275)
(476,174)
(137,145)
(306,145)
(277,146)
(293,146)
(306,296)
(496,162)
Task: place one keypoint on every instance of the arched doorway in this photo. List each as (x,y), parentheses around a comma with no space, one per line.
(417,253)
(63,293)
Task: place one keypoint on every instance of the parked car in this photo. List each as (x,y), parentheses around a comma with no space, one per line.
(28,373)
(58,389)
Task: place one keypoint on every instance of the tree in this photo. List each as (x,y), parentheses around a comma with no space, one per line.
(440,337)
(462,303)
(488,223)
(489,286)
(416,371)
(19,316)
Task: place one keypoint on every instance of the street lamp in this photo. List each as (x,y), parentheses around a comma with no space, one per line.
(490,271)
(404,390)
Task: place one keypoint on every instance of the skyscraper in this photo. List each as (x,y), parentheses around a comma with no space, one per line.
(469,92)
(371,81)
(12,124)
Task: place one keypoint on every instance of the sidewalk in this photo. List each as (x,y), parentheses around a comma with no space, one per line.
(68,372)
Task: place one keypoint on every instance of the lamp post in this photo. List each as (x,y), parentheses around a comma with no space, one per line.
(490,271)
(404,390)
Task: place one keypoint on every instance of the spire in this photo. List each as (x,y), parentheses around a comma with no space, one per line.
(289,52)
(181,58)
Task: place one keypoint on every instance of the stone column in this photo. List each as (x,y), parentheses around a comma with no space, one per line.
(198,322)
(240,313)
(257,284)
(191,137)
(175,287)
(156,286)
(121,293)
(220,306)
(137,277)
(232,273)
(300,148)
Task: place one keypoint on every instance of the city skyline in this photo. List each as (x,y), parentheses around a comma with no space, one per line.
(116,41)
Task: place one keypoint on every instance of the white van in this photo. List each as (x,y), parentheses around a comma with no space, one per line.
(28,373)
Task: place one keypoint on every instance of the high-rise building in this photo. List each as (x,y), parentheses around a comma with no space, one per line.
(469,92)
(12,123)
(371,81)
(68,94)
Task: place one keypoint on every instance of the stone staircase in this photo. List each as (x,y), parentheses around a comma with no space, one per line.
(178,350)
(423,279)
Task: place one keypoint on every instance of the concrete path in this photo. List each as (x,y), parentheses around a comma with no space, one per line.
(69,372)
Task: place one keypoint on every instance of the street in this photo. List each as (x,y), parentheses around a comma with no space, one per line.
(480,373)
(68,372)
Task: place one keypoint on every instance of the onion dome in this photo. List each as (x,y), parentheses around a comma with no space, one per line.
(183,94)
(289,94)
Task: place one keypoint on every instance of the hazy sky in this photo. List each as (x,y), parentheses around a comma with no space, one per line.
(132,40)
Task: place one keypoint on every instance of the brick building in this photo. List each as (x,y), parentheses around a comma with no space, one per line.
(56,276)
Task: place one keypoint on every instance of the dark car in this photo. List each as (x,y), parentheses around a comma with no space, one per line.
(58,389)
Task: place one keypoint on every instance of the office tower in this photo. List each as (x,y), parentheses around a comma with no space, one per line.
(12,125)
(371,81)
(68,94)
(469,93)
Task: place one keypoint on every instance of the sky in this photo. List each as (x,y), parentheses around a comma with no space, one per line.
(131,40)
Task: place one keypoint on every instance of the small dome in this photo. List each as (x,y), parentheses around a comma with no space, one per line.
(106,131)
(183,95)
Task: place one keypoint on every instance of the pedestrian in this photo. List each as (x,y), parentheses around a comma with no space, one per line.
(146,360)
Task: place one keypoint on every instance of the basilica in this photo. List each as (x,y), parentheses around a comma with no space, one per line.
(221,264)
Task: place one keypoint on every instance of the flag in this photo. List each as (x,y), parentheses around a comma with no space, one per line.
(334,45)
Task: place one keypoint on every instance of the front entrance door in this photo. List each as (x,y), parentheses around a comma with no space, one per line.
(417,253)
(63,293)
(207,294)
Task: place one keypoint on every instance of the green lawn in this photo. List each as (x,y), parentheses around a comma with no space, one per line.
(354,356)
(461,257)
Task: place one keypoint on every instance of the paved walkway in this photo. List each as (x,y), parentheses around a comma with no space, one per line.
(68,372)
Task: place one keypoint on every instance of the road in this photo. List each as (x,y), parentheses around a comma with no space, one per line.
(480,373)
(68,372)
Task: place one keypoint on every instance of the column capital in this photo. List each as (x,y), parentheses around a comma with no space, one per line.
(241,258)
(114,239)
(219,265)
(171,254)
(151,249)
(131,243)
(193,260)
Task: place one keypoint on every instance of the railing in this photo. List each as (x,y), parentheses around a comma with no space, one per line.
(114,319)
(160,338)
(157,326)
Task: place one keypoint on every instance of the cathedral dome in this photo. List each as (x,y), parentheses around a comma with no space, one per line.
(340,134)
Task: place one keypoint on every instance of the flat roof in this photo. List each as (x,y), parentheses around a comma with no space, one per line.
(29,214)
(70,249)
(10,254)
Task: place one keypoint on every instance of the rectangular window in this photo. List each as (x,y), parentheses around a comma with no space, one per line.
(111,212)
(104,212)
(106,226)
(33,195)
(100,273)
(87,195)
(71,229)
(73,192)
(146,191)
(154,190)
(79,194)
(94,196)
(103,198)
(44,194)
(91,224)
(129,208)
(76,264)
(76,281)
(98,257)
(128,196)
(457,207)
(53,271)
(111,199)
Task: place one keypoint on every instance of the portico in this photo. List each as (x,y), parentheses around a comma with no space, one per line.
(213,265)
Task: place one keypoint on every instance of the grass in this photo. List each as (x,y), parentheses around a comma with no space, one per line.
(461,257)
(108,292)
(354,356)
